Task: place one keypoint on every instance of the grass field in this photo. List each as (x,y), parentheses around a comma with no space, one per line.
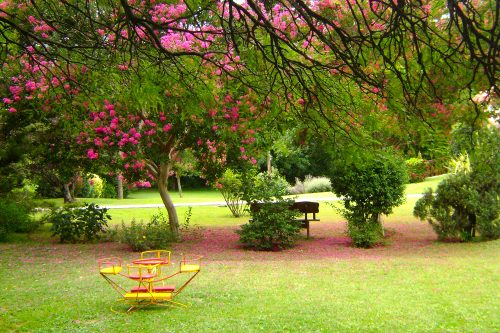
(151,196)
(412,284)
(219,215)
(446,288)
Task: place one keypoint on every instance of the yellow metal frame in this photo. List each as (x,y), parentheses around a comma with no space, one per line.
(191,265)
(148,276)
(157,254)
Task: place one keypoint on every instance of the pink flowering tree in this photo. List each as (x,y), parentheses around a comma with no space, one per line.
(151,114)
(399,55)
(327,64)
(152,120)
(39,120)
(299,47)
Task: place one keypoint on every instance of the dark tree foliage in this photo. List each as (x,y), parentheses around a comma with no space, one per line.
(415,43)
(332,64)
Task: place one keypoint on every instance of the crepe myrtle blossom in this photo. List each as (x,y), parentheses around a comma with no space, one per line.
(143,184)
(91,154)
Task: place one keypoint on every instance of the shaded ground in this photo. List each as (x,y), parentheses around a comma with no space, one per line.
(328,240)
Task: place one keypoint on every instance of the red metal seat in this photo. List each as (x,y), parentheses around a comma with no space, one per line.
(156,289)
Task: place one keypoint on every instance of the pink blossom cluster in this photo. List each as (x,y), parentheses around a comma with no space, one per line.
(143,183)
(5,5)
(10,7)
(176,33)
(231,111)
(35,79)
(177,41)
(285,20)
(228,63)
(40,26)
(91,154)
(165,13)
(115,130)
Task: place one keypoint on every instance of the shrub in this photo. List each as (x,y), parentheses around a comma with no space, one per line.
(190,231)
(112,234)
(298,188)
(467,201)
(155,234)
(364,233)
(92,187)
(21,203)
(458,210)
(370,185)
(74,224)
(231,187)
(14,218)
(460,163)
(109,190)
(317,184)
(449,213)
(265,187)
(417,169)
(26,223)
(272,225)
(25,195)
(311,185)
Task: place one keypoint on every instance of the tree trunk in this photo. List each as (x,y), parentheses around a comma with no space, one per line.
(67,194)
(269,164)
(379,221)
(72,190)
(472,221)
(167,200)
(119,187)
(179,187)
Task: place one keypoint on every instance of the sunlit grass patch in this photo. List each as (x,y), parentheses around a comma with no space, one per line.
(57,288)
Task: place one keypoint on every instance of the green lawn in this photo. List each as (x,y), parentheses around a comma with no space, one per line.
(151,196)
(441,287)
(419,188)
(206,215)
(212,215)
(450,288)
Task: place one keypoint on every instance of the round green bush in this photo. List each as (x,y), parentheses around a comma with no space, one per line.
(468,201)
(155,234)
(74,224)
(417,169)
(14,218)
(370,185)
(272,226)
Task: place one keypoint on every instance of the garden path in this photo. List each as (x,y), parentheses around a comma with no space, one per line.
(222,203)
